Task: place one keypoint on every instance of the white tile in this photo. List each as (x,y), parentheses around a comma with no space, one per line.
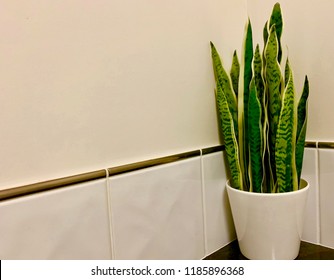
(309,173)
(157,212)
(326,170)
(219,223)
(68,223)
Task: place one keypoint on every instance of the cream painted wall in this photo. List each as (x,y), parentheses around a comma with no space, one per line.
(87,85)
(308,33)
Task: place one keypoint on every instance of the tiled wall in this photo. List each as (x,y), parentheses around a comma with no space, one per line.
(177,210)
(326,197)
(69,223)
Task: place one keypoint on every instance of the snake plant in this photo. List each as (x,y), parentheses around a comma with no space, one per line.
(262,122)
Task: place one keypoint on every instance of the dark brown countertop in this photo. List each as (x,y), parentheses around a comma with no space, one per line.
(307,251)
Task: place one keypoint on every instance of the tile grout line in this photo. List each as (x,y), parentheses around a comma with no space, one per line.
(317,193)
(203,205)
(110,219)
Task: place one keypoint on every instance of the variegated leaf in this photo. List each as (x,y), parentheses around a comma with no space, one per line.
(234,73)
(286,71)
(243,99)
(255,140)
(265,39)
(301,128)
(265,33)
(285,142)
(257,69)
(230,141)
(302,106)
(224,81)
(273,81)
(300,145)
(277,20)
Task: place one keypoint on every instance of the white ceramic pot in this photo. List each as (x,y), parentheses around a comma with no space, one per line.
(268,226)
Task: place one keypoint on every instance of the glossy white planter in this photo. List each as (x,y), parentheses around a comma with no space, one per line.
(268,226)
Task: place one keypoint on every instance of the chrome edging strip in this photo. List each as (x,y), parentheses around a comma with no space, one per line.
(326,145)
(89,176)
(85,177)
(310,144)
(211,150)
(151,163)
(51,184)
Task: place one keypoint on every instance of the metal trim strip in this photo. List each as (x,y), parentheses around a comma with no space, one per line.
(310,144)
(214,149)
(51,184)
(151,163)
(326,145)
(85,177)
(89,176)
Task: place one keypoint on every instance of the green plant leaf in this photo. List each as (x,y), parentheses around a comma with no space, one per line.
(265,40)
(277,20)
(259,85)
(301,128)
(234,73)
(255,140)
(273,79)
(257,69)
(285,142)
(230,140)
(243,99)
(265,133)
(225,83)
(265,33)
(300,145)
(248,71)
(286,71)
(302,106)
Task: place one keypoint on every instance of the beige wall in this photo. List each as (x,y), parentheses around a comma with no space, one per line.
(87,85)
